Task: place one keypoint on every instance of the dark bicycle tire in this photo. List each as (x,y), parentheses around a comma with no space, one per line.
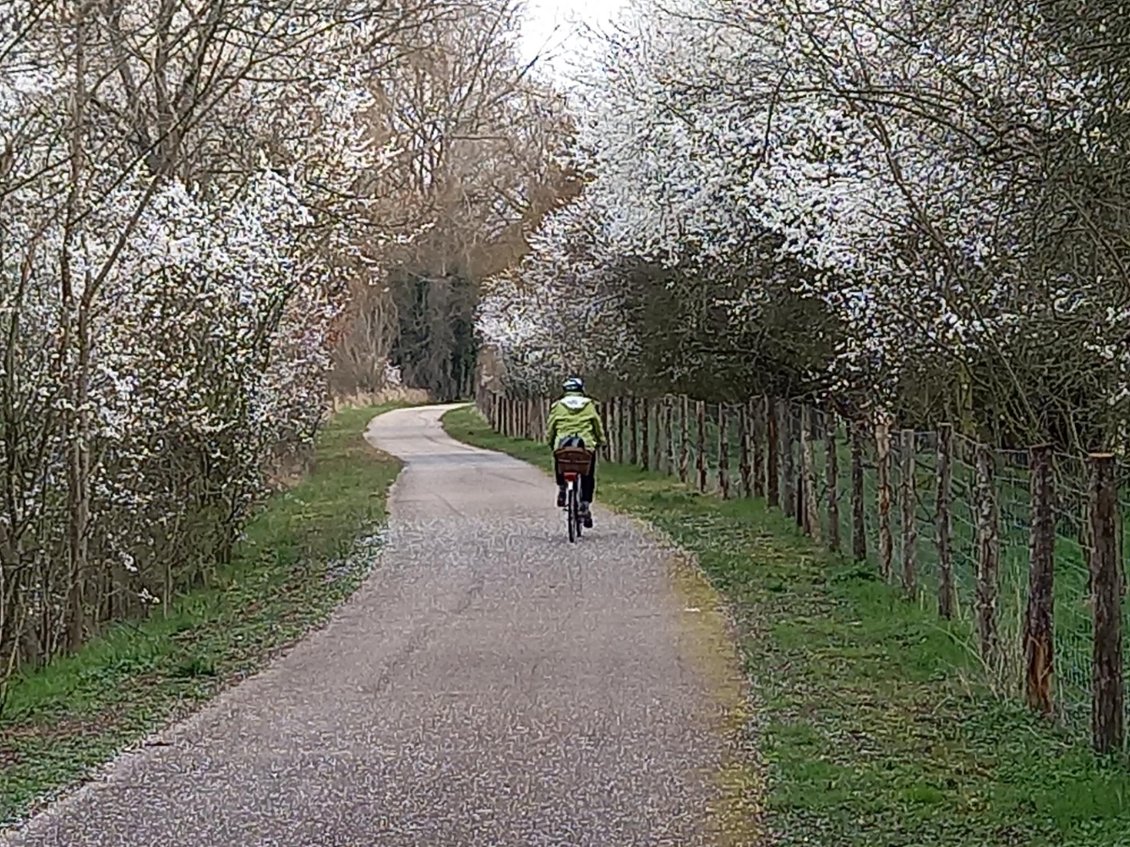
(571,513)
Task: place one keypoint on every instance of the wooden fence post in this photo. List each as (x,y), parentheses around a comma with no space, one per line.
(723,451)
(796,460)
(670,460)
(1039,619)
(610,426)
(883,492)
(772,452)
(614,429)
(757,437)
(883,461)
(645,434)
(633,431)
(1085,538)
(832,480)
(907,451)
(626,430)
(785,447)
(700,444)
(745,438)
(1106,591)
(655,456)
(685,441)
(988,557)
(947,594)
(858,508)
(808,464)
(622,428)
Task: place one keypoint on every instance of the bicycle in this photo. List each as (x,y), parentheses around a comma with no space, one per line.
(573,463)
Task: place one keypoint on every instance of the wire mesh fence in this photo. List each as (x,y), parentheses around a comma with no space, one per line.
(1021,550)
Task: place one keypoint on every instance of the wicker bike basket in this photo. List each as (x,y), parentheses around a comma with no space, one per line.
(576,460)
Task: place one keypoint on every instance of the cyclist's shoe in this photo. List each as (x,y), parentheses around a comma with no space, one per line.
(560,498)
(586,515)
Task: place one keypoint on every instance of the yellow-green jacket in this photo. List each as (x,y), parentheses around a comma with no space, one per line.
(575,414)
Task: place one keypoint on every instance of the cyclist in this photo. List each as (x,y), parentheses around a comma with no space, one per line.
(575,422)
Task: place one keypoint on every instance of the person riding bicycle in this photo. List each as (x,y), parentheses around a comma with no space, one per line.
(575,422)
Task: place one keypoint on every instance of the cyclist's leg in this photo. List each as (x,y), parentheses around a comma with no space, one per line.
(588,488)
(560,490)
(588,482)
(560,485)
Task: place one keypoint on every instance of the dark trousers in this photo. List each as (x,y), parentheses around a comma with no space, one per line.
(588,482)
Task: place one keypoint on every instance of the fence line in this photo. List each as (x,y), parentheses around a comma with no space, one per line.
(1022,547)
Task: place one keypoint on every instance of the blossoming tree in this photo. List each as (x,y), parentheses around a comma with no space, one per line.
(918,184)
(188,192)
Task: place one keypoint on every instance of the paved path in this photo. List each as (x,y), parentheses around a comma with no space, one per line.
(488,685)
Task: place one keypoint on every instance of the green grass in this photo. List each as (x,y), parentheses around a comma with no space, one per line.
(873,720)
(298,560)
(1072,610)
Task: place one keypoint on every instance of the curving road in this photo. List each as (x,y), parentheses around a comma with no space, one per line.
(488,685)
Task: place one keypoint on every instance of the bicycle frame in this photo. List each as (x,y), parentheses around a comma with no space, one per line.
(572,463)
(573,517)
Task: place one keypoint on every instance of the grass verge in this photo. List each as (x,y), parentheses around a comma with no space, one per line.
(872,718)
(299,559)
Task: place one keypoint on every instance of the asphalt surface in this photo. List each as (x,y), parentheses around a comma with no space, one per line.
(489,684)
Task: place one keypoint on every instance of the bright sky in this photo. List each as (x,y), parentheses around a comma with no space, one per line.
(554,27)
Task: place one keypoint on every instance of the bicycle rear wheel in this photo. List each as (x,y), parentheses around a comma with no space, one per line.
(571,512)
